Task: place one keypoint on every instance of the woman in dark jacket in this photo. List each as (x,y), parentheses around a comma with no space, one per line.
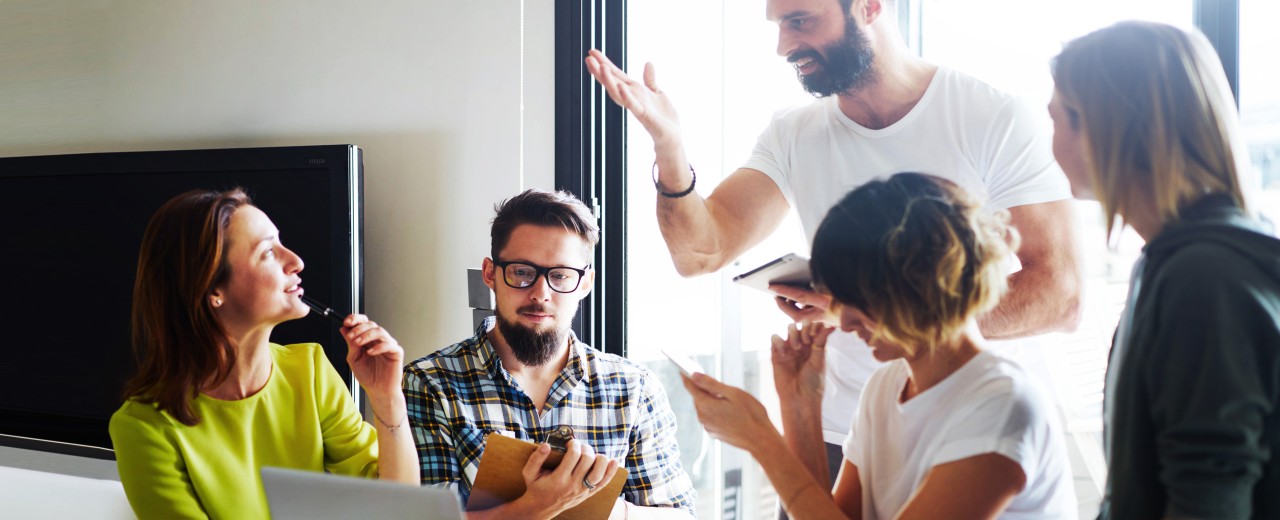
(1144,123)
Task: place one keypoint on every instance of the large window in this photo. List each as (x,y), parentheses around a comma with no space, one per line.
(1260,98)
(725,79)
(717,62)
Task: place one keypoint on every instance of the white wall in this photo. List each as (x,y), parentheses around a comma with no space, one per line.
(430,89)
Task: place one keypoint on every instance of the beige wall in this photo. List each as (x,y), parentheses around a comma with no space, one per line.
(430,89)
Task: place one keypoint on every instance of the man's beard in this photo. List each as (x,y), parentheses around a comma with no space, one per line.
(846,67)
(531,347)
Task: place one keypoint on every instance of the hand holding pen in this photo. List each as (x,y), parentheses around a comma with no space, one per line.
(376,358)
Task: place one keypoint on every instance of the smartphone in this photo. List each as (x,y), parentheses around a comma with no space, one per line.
(686,364)
(789,269)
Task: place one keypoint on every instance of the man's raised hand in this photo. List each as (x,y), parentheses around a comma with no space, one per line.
(645,100)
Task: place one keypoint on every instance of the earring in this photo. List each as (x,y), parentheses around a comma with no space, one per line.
(217,302)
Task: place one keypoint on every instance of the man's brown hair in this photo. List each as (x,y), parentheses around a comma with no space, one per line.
(543,208)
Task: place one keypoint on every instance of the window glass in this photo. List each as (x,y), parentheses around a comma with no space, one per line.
(716,61)
(1260,99)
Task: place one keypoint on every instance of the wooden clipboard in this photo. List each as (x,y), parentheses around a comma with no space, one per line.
(499,479)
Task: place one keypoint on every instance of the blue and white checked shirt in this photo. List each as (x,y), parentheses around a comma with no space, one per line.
(461,393)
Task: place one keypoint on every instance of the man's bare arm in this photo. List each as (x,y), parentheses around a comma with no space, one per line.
(704,235)
(1045,295)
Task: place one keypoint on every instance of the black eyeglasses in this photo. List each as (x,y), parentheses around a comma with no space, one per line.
(521,275)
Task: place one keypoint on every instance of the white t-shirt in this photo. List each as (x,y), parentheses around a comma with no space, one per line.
(984,140)
(989,405)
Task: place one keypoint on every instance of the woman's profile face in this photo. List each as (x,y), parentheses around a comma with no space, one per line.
(263,286)
(854,320)
(1068,149)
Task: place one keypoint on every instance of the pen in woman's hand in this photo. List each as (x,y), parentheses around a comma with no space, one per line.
(322,310)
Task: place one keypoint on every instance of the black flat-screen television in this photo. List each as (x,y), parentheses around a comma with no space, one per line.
(70,230)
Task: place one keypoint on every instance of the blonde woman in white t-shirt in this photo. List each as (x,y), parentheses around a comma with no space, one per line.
(944,430)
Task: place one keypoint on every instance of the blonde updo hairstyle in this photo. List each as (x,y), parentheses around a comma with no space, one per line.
(916,254)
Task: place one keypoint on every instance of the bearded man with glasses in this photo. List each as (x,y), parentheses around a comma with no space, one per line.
(524,373)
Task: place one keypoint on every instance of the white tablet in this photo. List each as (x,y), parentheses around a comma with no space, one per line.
(790,269)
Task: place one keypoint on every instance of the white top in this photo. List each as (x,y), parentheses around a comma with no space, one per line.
(989,405)
(984,140)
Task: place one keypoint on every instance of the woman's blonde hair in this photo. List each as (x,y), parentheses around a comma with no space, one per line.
(1157,116)
(916,254)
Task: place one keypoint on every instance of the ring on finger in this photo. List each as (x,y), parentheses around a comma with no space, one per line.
(588,485)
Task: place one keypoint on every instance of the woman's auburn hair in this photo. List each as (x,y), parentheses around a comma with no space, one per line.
(915,253)
(178,342)
(1157,115)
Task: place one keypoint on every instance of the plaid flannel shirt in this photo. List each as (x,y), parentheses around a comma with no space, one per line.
(461,393)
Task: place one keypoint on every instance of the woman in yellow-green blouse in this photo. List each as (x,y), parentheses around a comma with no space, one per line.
(213,400)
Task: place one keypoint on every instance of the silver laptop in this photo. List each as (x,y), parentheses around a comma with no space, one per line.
(294,494)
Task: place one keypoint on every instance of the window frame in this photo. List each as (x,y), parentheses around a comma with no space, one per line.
(590,157)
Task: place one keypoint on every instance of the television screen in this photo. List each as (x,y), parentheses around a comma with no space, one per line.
(70,229)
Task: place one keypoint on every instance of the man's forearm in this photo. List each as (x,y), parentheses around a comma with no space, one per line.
(703,235)
(691,235)
(1039,300)
(1045,295)
(687,224)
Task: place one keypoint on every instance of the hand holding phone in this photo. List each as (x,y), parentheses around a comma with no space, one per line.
(790,269)
(686,364)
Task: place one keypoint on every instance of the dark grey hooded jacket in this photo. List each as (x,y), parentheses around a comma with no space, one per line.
(1193,383)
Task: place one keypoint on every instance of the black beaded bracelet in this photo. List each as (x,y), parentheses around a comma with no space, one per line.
(656,186)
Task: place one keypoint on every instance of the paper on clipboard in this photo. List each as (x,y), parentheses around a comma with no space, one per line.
(499,480)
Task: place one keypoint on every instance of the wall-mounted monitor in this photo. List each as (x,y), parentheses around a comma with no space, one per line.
(70,230)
